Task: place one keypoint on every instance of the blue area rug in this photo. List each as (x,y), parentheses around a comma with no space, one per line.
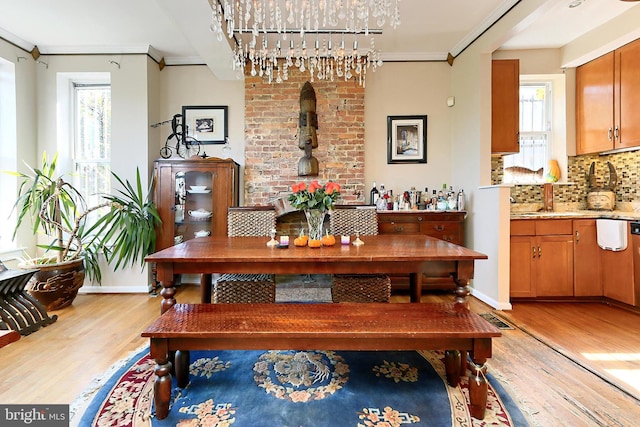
(292,389)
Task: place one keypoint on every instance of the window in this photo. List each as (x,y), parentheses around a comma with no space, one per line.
(92,140)
(528,165)
(8,154)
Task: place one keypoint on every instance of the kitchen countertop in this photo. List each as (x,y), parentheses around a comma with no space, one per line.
(571,211)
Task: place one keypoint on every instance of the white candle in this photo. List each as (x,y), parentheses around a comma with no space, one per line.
(345,240)
(284,240)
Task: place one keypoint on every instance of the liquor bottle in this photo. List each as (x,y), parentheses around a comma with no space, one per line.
(461,200)
(373,195)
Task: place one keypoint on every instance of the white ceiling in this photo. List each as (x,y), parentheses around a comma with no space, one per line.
(178,30)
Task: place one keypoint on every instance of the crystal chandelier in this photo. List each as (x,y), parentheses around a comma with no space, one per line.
(320,36)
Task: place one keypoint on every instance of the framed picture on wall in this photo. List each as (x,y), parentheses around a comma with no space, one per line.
(207,124)
(406,139)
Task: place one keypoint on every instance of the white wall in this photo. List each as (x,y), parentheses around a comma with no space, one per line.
(196,85)
(487,231)
(129,132)
(408,88)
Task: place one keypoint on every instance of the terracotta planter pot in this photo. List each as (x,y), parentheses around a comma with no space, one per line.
(56,285)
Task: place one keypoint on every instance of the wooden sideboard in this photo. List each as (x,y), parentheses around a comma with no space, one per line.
(444,225)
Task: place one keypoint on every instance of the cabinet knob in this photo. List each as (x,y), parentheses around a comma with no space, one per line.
(609,134)
(577,236)
(616,133)
(419,218)
(397,229)
(539,251)
(533,251)
(439,227)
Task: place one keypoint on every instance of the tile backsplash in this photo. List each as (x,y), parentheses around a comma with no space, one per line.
(627,168)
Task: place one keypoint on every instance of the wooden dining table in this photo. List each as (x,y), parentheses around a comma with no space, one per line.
(412,255)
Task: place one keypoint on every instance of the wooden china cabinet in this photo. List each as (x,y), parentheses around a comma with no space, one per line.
(193,196)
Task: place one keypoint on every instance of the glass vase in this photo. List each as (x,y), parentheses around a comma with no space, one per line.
(315,221)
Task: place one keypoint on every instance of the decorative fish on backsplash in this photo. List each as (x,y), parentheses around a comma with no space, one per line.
(521,174)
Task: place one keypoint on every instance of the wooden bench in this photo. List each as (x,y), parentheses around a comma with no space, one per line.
(345,326)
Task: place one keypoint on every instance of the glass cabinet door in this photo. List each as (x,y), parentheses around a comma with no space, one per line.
(193,205)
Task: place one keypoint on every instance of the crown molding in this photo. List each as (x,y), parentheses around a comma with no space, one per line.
(100,50)
(16,41)
(483,26)
(413,56)
(182,60)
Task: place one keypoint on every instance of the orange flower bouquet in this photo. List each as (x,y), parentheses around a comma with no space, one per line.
(315,200)
(314,196)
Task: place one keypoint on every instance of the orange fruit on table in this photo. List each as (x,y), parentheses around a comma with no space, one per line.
(314,243)
(301,241)
(328,240)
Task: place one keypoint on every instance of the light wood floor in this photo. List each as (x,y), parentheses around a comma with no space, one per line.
(55,364)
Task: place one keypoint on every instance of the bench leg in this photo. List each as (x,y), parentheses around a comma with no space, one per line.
(478,387)
(452,365)
(182,360)
(162,385)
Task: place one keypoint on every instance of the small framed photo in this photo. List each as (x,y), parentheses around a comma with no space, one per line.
(406,139)
(207,124)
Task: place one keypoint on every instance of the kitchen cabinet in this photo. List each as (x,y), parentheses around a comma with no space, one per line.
(607,101)
(505,106)
(186,212)
(587,274)
(444,225)
(541,262)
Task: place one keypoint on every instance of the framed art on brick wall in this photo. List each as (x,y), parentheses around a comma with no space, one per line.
(406,139)
(207,124)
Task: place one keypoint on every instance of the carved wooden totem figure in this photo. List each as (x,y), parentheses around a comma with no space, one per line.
(307,125)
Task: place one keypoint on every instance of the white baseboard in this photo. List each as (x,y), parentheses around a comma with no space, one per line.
(493,303)
(113,290)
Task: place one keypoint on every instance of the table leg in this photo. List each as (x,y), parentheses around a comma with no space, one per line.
(462,278)
(415,286)
(168,292)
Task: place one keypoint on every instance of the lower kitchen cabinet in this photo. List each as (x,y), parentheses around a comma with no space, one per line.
(561,258)
(541,258)
(600,272)
(587,272)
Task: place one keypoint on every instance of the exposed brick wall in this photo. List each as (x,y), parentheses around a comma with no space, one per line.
(271,137)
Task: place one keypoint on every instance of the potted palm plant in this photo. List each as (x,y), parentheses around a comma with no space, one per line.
(124,231)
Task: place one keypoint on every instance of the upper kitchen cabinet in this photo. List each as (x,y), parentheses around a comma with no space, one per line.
(607,97)
(505,106)
(627,96)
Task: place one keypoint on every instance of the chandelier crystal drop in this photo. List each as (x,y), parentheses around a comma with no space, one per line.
(321,36)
